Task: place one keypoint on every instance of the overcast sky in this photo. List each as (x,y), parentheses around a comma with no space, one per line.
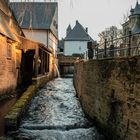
(94,14)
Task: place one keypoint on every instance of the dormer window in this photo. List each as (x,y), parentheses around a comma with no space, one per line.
(54,23)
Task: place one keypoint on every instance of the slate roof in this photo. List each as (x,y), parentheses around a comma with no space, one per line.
(137,9)
(35,15)
(135,14)
(78,33)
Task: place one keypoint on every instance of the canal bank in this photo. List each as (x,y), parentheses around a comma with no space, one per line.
(109,91)
(13,117)
(55,113)
(5,107)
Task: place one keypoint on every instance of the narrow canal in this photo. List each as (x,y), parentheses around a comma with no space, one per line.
(56,114)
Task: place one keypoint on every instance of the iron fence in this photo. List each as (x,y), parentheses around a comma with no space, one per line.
(125,46)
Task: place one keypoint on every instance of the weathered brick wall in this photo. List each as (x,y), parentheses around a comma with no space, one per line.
(8,67)
(109,91)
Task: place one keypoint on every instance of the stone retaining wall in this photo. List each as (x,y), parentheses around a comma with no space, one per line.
(109,91)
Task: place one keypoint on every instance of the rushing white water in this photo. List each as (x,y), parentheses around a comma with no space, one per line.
(58,73)
(55,114)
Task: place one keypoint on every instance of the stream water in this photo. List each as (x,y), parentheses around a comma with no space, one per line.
(56,114)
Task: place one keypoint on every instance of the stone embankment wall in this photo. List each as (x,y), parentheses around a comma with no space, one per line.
(109,91)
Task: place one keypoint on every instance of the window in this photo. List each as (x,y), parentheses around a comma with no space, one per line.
(48,62)
(56,26)
(9,51)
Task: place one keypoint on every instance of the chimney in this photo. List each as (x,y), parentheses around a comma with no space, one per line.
(76,21)
(86,29)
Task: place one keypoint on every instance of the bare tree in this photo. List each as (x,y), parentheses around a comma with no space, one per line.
(110,34)
(125,17)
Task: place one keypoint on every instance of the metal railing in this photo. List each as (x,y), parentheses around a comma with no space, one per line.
(125,46)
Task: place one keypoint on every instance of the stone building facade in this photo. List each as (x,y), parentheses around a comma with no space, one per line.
(39,22)
(22,60)
(10,54)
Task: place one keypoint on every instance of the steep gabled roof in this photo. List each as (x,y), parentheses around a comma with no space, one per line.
(8,24)
(78,33)
(36,15)
(137,9)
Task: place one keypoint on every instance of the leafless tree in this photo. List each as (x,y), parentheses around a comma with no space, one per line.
(110,34)
(125,17)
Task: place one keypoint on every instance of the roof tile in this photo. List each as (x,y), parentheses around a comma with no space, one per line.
(78,33)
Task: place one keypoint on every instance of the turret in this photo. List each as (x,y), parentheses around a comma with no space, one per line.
(68,29)
(132,11)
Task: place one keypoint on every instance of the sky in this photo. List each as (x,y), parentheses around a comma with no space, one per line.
(94,14)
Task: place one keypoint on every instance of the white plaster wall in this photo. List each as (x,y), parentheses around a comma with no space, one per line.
(53,42)
(36,35)
(71,47)
(42,36)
